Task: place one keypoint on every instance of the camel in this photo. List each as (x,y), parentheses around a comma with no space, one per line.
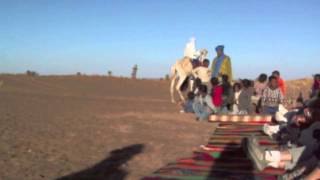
(182,70)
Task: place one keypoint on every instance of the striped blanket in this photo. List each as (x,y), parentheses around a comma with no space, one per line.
(223,157)
(252,119)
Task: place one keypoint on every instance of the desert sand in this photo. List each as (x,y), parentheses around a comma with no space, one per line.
(98,127)
(94,127)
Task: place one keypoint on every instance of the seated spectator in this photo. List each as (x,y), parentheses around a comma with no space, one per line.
(227,95)
(315,174)
(271,97)
(259,86)
(216,94)
(237,92)
(281,83)
(187,107)
(306,143)
(316,86)
(202,105)
(197,84)
(203,72)
(245,104)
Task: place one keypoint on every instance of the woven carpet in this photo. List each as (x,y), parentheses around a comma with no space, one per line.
(223,157)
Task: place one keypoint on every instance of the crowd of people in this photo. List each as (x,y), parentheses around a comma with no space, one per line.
(217,95)
(298,134)
(296,130)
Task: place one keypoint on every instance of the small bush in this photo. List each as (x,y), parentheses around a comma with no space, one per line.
(31,73)
(110,73)
(167,77)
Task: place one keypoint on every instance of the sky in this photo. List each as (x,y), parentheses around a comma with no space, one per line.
(93,36)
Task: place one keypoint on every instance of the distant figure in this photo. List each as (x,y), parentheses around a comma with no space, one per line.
(272,97)
(221,64)
(134,72)
(281,83)
(316,85)
(109,73)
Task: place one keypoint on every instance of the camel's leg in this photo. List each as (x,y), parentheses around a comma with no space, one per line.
(180,82)
(173,80)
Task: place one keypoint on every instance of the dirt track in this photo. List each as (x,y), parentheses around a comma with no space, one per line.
(90,128)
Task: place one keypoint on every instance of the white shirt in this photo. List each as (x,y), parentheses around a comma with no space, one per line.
(202,73)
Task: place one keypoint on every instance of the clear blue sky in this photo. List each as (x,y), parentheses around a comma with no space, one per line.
(67,36)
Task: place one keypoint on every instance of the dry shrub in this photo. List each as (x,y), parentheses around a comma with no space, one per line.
(32,73)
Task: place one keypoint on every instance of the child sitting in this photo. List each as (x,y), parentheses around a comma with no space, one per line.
(227,95)
(281,84)
(245,104)
(237,91)
(203,72)
(259,86)
(271,97)
(187,106)
(201,106)
(216,94)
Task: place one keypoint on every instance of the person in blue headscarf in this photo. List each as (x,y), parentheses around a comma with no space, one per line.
(221,64)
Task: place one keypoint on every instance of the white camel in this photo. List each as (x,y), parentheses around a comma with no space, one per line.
(181,70)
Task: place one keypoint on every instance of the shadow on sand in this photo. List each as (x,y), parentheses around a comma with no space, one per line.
(110,168)
(232,164)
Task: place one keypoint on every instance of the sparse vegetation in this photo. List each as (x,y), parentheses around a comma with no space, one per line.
(79,74)
(110,73)
(167,77)
(134,72)
(32,73)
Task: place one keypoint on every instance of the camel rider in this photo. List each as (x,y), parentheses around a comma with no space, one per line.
(190,49)
(221,64)
(196,56)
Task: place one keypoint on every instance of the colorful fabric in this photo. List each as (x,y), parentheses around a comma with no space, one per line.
(220,158)
(217,96)
(282,86)
(271,97)
(223,69)
(241,118)
(217,66)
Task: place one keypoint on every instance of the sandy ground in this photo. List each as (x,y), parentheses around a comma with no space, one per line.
(78,127)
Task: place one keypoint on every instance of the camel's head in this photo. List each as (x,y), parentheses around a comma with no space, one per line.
(204,52)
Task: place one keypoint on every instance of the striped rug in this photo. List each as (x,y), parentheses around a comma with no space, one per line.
(223,157)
